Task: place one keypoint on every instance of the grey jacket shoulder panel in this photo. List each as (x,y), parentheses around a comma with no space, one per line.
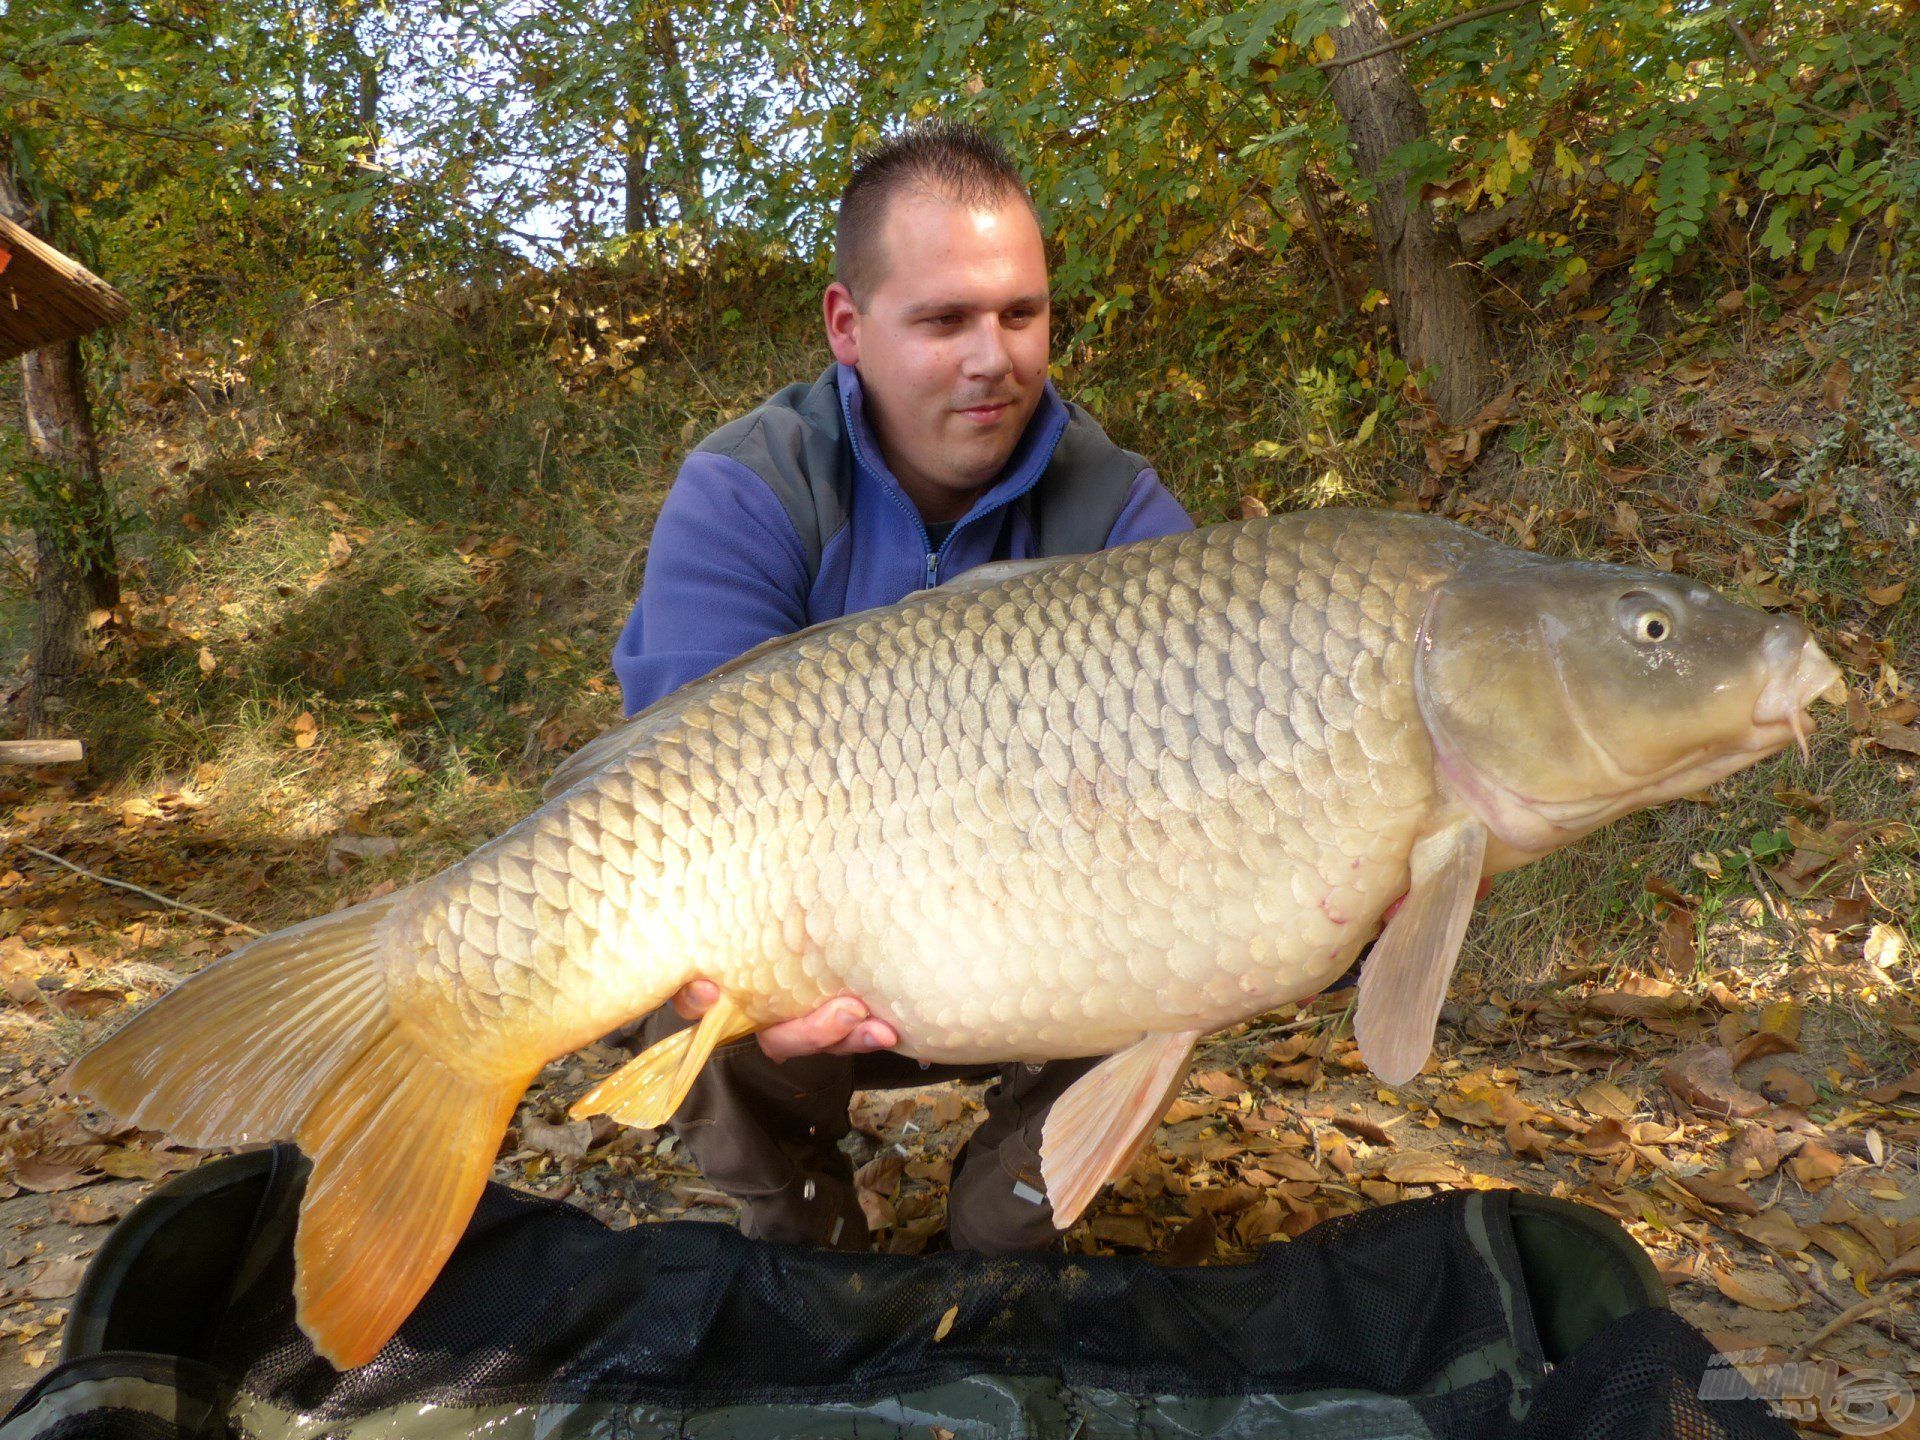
(796,443)
(1084,490)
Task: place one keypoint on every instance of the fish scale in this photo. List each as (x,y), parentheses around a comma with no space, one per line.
(1112,815)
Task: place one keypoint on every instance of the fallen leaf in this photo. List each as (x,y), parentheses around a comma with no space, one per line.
(1775,1229)
(566,1142)
(1362,1128)
(1604,1137)
(1908,1084)
(945,1327)
(1834,388)
(1814,1165)
(1903,738)
(1788,1087)
(1414,1168)
(305,729)
(1703,1079)
(44,1175)
(1221,1084)
(1720,1193)
(1607,1100)
(1885,595)
(90,1209)
(1758,1290)
(1193,1244)
(1133,1231)
(57,1279)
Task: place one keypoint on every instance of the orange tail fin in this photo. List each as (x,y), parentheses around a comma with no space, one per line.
(291,1038)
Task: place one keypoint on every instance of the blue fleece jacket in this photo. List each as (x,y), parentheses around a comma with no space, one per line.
(726,569)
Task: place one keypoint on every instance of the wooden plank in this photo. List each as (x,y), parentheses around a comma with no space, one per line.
(46,297)
(41,752)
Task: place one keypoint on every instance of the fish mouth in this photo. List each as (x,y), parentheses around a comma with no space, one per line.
(1789,695)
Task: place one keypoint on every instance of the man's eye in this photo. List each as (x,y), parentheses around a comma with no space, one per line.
(946,319)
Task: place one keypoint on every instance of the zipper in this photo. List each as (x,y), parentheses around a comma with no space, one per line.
(934,556)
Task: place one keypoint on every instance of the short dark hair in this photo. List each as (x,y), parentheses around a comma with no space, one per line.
(960,162)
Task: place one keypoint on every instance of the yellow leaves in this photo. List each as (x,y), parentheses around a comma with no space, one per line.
(1323,47)
(305,730)
(945,1327)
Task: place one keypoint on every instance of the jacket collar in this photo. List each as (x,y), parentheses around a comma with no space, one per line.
(1023,468)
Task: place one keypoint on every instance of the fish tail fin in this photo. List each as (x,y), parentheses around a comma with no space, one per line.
(649,1088)
(401,1148)
(292,1036)
(241,1051)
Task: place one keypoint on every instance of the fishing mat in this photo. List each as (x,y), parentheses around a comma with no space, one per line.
(1474,1314)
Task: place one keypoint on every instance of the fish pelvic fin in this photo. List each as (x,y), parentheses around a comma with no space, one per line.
(291,1037)
(1404,979)
(649,1088)
(1094,1131)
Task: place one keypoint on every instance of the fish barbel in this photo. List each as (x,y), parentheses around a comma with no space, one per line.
(1085,806)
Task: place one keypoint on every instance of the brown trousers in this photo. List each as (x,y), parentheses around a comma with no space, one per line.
(767,1133)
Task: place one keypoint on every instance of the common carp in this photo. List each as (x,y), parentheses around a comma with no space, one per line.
(1100,805)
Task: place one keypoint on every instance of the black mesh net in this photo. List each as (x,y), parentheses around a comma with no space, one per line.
(1646,1376)
(1409,1319)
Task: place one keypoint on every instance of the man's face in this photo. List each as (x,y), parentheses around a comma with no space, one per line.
(952,345)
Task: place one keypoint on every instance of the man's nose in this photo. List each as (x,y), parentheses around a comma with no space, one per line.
(987,354)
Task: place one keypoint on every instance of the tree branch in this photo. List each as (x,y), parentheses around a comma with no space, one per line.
(1329,66)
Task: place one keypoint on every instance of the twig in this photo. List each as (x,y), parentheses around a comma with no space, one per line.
(140,890)
(1841,1321)
(1418,35)
(1752,51)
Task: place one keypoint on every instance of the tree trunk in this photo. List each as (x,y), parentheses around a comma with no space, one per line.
(690,187)
(1436,314)
(76,571)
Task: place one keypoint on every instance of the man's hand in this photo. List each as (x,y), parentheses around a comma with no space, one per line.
(839,1027)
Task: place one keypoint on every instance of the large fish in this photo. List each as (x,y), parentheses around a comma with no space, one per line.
(1099,805)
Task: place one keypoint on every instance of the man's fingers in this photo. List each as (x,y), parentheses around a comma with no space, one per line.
(695,998)
(872,1035)
(813,1033)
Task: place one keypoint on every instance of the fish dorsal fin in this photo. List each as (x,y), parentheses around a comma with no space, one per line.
(1096,1128)
(1404,978)
(603,748)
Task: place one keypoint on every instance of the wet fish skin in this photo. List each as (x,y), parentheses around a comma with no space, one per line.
(1100,804)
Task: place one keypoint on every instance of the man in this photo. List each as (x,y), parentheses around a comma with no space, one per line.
(933,444)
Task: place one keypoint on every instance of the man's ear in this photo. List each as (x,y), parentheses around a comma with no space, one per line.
(843,323)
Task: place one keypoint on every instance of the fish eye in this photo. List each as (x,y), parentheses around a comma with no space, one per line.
(1650,624)
(1647,621)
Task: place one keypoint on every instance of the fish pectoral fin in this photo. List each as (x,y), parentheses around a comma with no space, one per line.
(1094,1130)
(1404,978)
(646,1090)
